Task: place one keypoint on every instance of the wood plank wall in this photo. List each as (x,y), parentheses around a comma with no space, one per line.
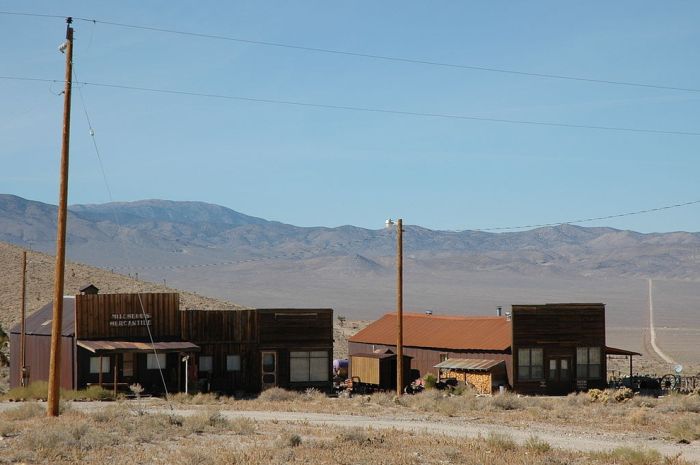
(93,313)
(221,326)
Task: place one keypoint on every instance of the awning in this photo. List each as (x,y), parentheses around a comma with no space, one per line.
(469,364)
(99,347)
(614,351)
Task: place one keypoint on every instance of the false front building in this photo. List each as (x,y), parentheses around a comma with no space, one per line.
(534,349)
(122,339)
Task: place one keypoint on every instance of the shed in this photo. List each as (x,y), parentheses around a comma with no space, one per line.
(378,368)
(483,374)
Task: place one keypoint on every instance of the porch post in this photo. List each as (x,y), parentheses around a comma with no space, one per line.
(99,379)
(116,366)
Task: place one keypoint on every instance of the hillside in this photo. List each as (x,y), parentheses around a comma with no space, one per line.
(40,269)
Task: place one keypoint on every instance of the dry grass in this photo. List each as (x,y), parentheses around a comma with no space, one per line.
(117,436)
(39,391)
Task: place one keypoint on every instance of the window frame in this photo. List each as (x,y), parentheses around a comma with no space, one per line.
(584,364)
(102,368)
(309,358)
(238,364)
(525,371)
(151,361)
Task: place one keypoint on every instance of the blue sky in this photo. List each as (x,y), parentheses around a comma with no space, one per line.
(309,166)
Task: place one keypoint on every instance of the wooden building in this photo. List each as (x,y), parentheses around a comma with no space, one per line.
(543,349)
(378,369)
(121,339)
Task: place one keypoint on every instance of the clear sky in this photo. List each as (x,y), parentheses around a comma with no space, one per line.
(310,166)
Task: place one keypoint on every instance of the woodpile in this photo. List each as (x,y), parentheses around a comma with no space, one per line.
(481,382)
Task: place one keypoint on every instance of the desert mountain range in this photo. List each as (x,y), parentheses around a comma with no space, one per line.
(221,253)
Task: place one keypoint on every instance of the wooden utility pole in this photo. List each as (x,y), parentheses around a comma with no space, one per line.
(57,319)
(399,306)
(23,331)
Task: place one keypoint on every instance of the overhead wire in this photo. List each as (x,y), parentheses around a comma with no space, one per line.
(297,103)
(373,56)
(124,251)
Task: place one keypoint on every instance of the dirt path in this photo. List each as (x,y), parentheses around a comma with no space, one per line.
(652,329)
(557,437)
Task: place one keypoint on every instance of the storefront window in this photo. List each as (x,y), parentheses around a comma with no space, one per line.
(308,366)
(95,363)
(588,364)
(530,364)
(153,361)
(233,363)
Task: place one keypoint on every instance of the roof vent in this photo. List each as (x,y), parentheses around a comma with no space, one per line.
(428,312)
(499,309)
(509,316)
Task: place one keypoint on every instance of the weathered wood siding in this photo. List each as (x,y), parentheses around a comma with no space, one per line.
(292,328)
(558,329)
(38,350)
(365,368)
(120,316)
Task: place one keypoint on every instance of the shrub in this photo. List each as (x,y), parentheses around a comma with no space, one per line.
(679,403)
(276,394)
(622,394)
(537,445)
(205,421)
(312,394)
(506,401)
(630,456)
(500,441)
(243,426)
(686,430)
(429,381)
(24,412)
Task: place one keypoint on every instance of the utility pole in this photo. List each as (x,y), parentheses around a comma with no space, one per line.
(22,331)
(399,306)
(57,319)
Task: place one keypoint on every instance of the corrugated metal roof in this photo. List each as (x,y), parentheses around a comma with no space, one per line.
(128,346)
(472,364)
(440,332)
(39,322)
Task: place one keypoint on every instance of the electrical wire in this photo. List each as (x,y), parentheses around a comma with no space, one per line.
(373,56)
(586,220)
(392,58)
(296,103)
(118,224)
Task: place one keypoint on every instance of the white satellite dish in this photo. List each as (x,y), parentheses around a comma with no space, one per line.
(678,369)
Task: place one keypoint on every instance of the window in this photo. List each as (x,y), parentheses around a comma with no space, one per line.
(443,357)
(308,366)
(95,365)
(588,362)
(205,362)
(530,364)
(128,364)
(153,363)
(233,363)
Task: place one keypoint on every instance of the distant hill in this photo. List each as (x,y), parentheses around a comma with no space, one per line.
(218,252)
(40,269)
(158,233)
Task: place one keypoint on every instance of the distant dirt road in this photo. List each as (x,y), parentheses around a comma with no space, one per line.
(652,330)
(571,439)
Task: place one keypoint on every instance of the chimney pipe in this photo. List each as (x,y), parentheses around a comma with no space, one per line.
(498,310)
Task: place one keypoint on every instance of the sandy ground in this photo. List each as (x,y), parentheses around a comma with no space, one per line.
(570,439)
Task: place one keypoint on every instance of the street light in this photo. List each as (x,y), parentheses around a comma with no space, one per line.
(399,302)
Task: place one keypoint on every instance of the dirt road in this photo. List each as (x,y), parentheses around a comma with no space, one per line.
(457,427)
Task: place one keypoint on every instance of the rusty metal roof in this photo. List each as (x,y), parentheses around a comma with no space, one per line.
(39,322)
(129,346)
(469,364)
(485,333)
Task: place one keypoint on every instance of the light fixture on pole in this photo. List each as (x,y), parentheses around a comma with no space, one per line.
(399,302)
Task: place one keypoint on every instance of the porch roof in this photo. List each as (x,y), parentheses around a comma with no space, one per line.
(100,347)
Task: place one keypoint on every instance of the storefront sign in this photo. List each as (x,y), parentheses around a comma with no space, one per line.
(130,319)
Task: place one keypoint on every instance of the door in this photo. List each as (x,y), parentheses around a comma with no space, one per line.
(559,375)
(269,369)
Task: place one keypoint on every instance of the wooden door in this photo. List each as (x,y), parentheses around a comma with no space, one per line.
(269,369)
(559,375)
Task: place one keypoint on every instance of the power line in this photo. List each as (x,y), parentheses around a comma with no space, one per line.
(35,15)
(370,55)
(367,109)
(391,58)
(586,220)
